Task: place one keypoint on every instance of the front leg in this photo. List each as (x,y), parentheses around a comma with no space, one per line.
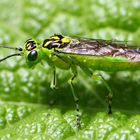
(53,82)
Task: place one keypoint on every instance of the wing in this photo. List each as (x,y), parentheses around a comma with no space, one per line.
(99,47)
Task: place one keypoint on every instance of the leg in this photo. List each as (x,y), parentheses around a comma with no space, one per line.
(76,100)
(53,83)
(110,95)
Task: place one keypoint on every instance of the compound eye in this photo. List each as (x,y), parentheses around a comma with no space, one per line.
(30,45)
(32,56)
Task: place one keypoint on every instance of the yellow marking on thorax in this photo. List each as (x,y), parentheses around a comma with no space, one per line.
(47,43)
(65,40)
(55,38)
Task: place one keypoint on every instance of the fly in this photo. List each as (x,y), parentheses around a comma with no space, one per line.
(89,54)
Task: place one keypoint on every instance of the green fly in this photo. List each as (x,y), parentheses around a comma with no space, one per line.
(89,54)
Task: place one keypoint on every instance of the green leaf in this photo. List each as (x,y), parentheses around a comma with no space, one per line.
(30,109)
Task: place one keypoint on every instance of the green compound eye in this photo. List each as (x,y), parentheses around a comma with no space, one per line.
(32,56)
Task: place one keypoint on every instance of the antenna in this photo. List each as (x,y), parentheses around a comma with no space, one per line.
(9,47)
(16,54)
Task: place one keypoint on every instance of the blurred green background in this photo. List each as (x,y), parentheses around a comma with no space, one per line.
(30,109)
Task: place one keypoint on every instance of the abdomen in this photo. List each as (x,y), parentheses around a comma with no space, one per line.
(106,63)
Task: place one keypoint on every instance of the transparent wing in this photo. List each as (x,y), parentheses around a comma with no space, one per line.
(99,47)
